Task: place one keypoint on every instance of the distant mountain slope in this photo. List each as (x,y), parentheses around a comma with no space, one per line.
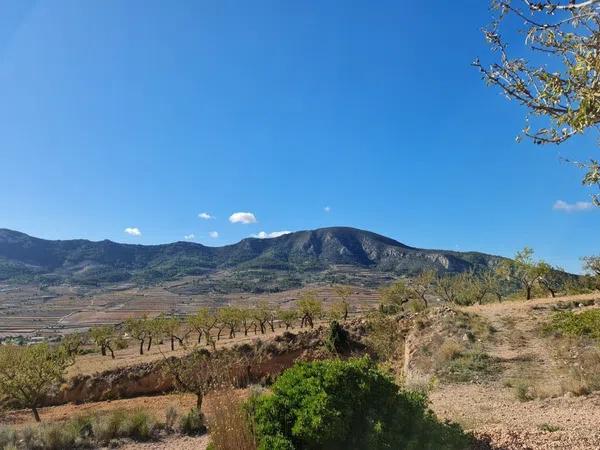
(25,258)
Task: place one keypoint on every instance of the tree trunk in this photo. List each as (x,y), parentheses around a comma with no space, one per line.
(200,337)
(103,350)
(172,344)
(528,289)
(199,398)
(141,347)
(36,415)
(149,343)
(112,354)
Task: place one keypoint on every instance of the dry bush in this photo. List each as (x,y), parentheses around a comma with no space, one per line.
(229,425)
(450,349)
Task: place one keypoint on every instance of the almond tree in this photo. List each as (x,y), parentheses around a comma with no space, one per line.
(560,90)
(73,342)
(27,374)
(173,329)
(395,296)
(591,264)
(103,337)
(247,320)
(262,313)
(202,371)
(522,270)
(450,287)
(344,293)
(310,308)
(203,322)
(288,317)
(551,278)
(139,330)
(421,285)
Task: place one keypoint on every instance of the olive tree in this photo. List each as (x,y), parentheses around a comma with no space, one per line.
(27,374)
(560,91)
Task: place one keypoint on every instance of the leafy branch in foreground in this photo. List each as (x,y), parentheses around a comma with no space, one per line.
(562,93)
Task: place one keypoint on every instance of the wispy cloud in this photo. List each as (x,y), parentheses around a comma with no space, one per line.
(561,205)
(189,237)
(327,209)
(133,231)
(274,234)
(205,216)
(214,234)
(242,217)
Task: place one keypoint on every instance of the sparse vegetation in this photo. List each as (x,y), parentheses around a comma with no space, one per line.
(468,366)
(231,427)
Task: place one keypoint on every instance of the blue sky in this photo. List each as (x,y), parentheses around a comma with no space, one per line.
(143,114)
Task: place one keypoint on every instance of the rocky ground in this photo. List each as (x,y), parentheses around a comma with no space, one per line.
(492,410)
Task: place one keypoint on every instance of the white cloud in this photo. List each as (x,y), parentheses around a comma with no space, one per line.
(189,237)
(205,216)
(133,231)
(274,234)
(561,205)
(214,234)
(327,209)
(242,217)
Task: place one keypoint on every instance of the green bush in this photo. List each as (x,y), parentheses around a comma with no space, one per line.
(583,324)
(192,423)
(337,404)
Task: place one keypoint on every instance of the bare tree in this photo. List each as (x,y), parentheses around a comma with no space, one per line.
(202,371)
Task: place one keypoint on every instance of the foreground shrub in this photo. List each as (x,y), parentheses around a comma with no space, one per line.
(583,324)
(230,427)
(192,423)
(347,405)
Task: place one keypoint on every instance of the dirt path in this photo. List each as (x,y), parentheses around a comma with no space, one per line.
(493,408)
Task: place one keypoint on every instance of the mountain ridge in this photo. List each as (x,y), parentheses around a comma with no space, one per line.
(27,258)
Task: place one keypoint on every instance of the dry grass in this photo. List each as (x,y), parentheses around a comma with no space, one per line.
(229,425)
(450,349)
